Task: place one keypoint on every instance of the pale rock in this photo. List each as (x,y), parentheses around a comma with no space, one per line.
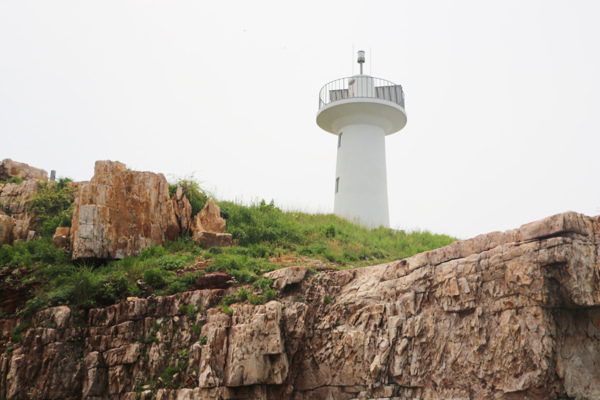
(287,276)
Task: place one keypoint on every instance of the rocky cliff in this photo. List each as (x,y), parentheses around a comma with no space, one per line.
(511,315)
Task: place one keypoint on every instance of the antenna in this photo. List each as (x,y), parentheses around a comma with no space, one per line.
(361,60)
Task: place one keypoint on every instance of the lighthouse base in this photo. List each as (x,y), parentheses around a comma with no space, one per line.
(361,179)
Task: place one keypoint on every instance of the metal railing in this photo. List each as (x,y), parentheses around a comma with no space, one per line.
(361,86)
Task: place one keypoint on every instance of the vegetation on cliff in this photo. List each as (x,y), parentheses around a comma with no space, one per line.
(265,238)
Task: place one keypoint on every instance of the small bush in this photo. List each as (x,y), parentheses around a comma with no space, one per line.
(262,283)
(327,300)
(34,305)
(188,310)
(17,333)
(197,329)
(16,179)
(155,278)
(203,339)
(226,310)
(183,354)
(192,190)
(215,250)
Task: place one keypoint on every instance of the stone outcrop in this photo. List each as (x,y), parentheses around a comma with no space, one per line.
(10,168)
(7,225)
(15,199)
(507,315)
(183,210)
(287,276)
(120,212)
(208,227)
(61,238)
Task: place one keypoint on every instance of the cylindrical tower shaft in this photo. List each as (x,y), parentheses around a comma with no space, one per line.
(361,178)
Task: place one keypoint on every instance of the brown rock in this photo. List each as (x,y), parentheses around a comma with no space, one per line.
(10,168)
(287,276)
(7,224)
(61,238)
(183,210)
(121,212)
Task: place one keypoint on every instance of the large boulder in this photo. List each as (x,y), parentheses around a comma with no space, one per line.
(120,212)
(10,168)
(208,227)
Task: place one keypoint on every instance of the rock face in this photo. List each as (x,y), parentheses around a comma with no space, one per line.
(512,315)
(7,225)
(10,168)
(119,213)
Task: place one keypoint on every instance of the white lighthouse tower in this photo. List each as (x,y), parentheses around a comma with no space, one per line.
(361,111)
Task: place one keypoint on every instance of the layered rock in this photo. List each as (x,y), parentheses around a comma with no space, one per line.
(15,199)
(507,315)
(120,212)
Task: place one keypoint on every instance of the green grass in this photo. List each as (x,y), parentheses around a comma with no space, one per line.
(262,233)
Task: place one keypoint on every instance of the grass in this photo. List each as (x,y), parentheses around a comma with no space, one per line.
(263,236)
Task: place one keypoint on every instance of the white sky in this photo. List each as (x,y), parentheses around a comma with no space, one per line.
(502,98)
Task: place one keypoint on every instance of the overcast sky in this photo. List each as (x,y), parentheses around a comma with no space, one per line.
(502,97)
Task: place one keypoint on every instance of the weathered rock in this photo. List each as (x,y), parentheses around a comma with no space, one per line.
(10,168)
(212,239)
(209,219)
(208,227)
(16,199)
(7,224)
(121,212)
(61,238)
(287,276)
(507,315)
(183,210)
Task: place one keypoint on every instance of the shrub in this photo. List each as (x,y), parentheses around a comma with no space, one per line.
(34,305)
(262,283)
(52,206)
(16,179)
(155,278)
(226,310)
(203,339)
(327,300)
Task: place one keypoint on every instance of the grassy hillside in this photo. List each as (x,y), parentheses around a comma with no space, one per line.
(265,238)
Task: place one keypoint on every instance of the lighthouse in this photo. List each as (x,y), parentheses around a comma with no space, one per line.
(361,111)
